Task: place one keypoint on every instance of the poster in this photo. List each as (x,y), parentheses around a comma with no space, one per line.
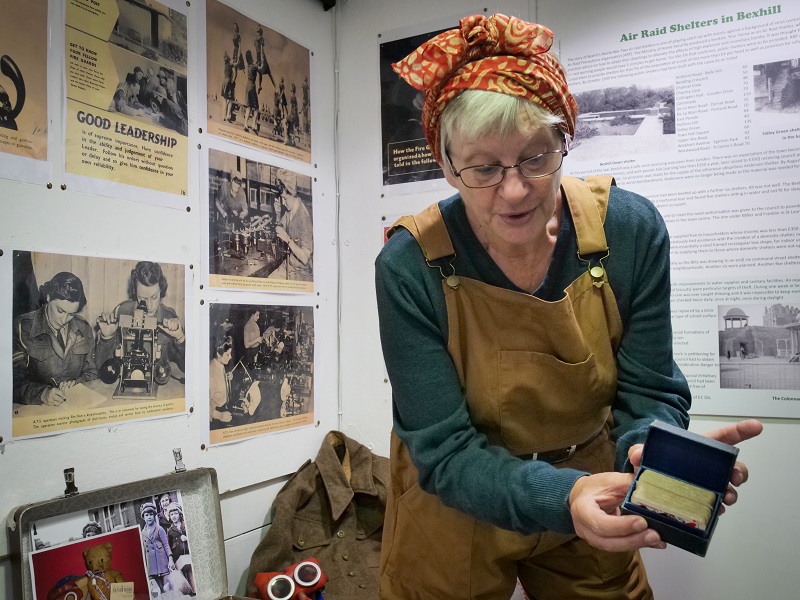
(126,94)
(405,154)
(261,369)
(260,226)
(259,84)
(699,111)
(145,534)
(23,79)
(94,341)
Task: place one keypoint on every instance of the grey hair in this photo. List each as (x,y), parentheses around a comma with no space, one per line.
(476,113)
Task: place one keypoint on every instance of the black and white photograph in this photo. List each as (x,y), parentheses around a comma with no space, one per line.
(95,341)
(777,86)
(154,86)
(624,121)
(152,94)
(406,156)
(163,539)
(261,369)
(259,84)
(261,233)
(759,346)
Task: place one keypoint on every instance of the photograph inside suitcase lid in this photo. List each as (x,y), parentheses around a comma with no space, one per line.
(131,550)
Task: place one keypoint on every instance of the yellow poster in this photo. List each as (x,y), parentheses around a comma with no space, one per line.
(23,78)
(126,113)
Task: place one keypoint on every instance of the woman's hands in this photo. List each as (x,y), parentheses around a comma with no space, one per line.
(594,503)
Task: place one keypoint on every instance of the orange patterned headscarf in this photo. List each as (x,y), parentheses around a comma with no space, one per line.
(499,54)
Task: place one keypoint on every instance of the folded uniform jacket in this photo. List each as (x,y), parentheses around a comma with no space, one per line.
(331,509)
(678,500)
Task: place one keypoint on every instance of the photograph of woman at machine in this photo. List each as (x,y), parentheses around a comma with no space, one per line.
(261,369)
(95,341)
(260,225)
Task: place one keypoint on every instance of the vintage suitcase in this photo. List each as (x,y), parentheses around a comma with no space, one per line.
(61,548)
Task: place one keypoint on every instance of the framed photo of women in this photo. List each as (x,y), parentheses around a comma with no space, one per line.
(93,341)
(261,369)
(260,225)
(259,84)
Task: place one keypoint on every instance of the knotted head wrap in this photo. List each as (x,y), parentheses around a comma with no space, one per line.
(499,54)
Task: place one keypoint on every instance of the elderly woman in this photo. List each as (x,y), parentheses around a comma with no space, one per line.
(52,346)
(525,324)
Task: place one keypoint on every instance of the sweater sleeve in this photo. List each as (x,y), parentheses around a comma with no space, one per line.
(454,460)
(649,384)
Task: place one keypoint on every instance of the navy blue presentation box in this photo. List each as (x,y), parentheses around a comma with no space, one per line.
(692,458)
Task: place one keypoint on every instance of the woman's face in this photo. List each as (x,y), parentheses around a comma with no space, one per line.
(60,312)
(164,502)
(150,295)
(226,356)
(513,215)
(175,516)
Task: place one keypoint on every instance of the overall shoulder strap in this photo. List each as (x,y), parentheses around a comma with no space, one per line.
(588,203)
(429,230)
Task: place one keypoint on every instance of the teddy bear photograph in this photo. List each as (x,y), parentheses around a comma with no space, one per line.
(93,568)
(160,539)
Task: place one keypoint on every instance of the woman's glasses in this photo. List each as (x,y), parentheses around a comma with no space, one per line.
(483,176)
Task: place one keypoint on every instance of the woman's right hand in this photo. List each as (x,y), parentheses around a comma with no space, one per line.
(108,325)
(594,504)
(53,396)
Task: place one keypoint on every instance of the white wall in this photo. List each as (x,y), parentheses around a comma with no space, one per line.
(754,551)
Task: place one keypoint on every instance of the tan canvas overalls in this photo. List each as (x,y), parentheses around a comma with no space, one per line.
(539,377)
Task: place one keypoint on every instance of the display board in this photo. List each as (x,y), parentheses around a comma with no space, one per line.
(100,229)
(699,111)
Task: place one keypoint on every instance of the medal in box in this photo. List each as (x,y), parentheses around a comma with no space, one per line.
(680,485)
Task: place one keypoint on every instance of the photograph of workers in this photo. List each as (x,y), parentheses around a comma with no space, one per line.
(261,369)
(259,90)
(94,341)
(23,79)
(260,225)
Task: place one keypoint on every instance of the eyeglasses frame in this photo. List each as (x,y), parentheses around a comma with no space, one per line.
(563,152)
